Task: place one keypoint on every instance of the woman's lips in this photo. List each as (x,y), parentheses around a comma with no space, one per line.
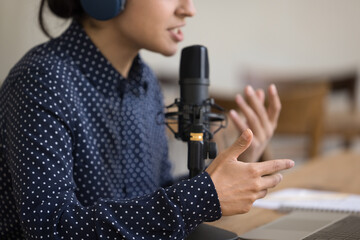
(176,34)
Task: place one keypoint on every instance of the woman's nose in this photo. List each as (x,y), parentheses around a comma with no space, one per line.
(186,8)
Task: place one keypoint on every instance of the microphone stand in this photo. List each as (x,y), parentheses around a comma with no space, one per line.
(196,161)
(193,118)
(198,135)
(196,131)
(199,145)
(200,148)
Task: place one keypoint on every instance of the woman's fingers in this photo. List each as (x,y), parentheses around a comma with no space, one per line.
(261,95)
(270,181)
(252,118)
(262,193)
(274,166)
(259,109)
(239,123)
(274,108)
(240,145)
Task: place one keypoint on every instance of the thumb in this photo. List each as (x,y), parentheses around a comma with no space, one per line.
(240,145)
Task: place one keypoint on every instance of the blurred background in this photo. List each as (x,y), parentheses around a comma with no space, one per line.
(309,48)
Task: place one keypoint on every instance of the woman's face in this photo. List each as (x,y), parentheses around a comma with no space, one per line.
(154,25)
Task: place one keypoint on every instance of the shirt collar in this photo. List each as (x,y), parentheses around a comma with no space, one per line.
(97,69)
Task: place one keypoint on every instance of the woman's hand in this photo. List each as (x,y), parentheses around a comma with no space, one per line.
(239,184)
(262,121)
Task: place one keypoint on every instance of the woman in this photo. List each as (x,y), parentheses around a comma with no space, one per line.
(82,155)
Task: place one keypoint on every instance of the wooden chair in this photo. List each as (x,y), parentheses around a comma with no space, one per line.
(302,113)
(344,122)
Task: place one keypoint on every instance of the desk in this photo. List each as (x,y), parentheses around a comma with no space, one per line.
(340,172)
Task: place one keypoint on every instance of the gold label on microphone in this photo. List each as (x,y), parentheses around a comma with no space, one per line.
(196,136)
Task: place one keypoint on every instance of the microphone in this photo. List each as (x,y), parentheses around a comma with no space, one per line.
(194,83)
(194,75)
(194,117)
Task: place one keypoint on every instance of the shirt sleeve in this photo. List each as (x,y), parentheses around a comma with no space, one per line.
(39,146)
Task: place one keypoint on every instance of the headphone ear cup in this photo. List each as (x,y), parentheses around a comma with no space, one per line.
(103,9)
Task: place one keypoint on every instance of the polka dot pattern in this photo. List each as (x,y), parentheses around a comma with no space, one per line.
(82,152)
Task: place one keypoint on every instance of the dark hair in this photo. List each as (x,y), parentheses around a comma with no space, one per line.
(62,8)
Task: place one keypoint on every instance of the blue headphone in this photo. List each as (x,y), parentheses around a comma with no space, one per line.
(103,9)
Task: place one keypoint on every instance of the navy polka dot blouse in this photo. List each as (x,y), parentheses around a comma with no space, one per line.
(83,154)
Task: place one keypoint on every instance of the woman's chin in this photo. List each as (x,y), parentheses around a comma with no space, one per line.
(165,51)
(169,52)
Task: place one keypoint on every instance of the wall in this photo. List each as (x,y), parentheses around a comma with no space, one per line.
(19,31)
(296,36)
(286,35)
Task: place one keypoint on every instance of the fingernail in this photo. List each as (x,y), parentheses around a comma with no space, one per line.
(291,163)
(250,90)
(273,89)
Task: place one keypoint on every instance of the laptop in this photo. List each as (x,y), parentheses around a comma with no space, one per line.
(308,225)
(208,232)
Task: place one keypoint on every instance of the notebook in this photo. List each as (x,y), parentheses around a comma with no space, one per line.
(309,226)
(308,199)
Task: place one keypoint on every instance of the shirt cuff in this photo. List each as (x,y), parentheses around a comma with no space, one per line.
(198,200)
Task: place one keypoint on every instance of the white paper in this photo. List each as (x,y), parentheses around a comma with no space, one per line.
(307,199)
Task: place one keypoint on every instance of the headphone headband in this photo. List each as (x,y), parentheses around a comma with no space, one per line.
(103,9)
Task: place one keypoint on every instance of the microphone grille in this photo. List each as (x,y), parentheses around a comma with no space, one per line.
(194,62)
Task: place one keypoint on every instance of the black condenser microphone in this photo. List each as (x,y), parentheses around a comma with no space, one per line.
(194,84)
(194,117)
(194,75)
